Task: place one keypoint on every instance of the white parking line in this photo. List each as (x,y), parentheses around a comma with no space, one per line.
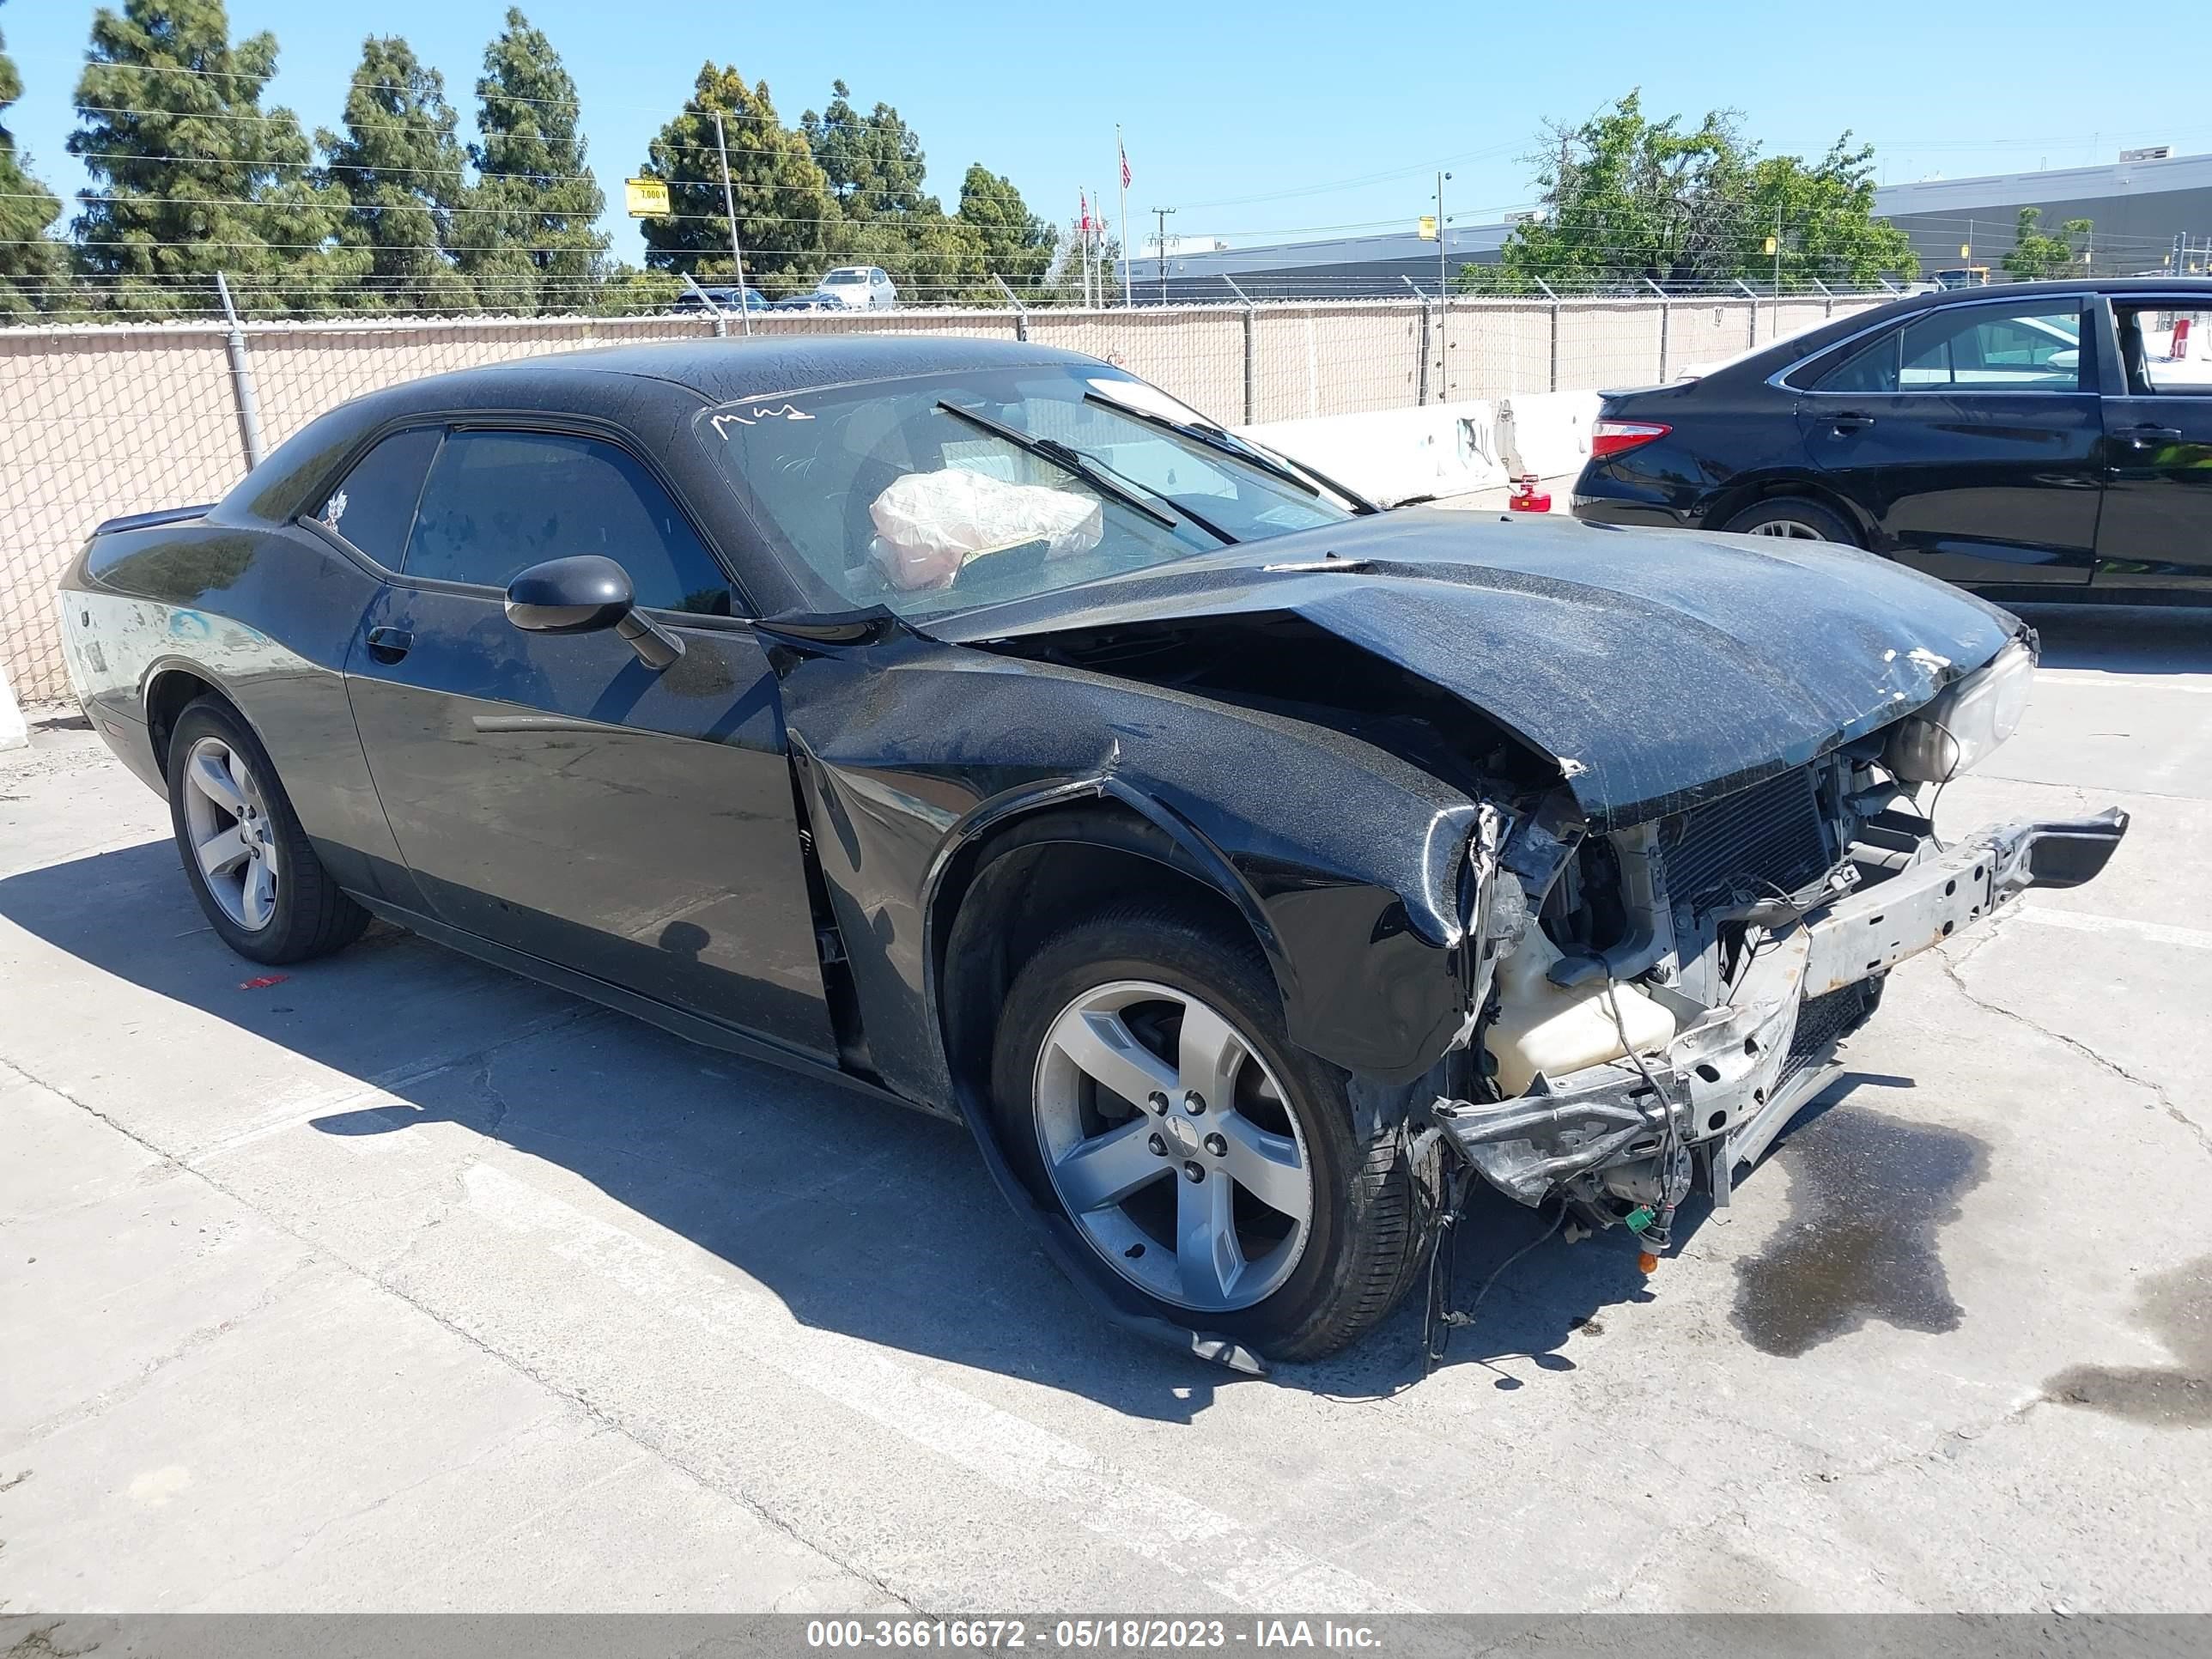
(2192,684)
(1011,1452)
(2084,921)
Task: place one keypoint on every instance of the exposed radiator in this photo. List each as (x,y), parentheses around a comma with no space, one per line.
(1767,837)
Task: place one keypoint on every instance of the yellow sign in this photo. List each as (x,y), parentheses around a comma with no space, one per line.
(1770,245)
(646,198)
(1966,251)
(1428,227)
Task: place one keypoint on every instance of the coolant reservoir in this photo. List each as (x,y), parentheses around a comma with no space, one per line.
(1556,1030)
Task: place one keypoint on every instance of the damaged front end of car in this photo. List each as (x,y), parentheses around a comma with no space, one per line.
(1663,997)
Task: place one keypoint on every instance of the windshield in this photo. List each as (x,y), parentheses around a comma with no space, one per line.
(845,277)
(947,491)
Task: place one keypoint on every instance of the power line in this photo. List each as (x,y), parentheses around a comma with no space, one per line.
(860,123)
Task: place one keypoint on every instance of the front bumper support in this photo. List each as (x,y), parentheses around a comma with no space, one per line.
(1735,1076)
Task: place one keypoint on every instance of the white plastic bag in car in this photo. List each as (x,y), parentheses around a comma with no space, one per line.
(930,524)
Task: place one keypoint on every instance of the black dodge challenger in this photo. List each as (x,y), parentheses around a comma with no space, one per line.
(974,724)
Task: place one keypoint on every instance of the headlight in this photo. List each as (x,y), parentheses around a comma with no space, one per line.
(1956,732)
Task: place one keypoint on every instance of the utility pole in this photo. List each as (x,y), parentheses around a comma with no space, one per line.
(1162,214)
(730,206)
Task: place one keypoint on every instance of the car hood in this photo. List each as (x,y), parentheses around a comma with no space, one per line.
(1658,668)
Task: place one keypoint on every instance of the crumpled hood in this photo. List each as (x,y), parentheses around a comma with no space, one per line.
(1658,667)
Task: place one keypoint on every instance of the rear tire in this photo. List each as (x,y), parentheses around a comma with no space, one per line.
(1315,1255)
(1793,518)
(249,863)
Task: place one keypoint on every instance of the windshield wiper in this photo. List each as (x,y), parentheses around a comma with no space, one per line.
(1213,437)
(1074,461)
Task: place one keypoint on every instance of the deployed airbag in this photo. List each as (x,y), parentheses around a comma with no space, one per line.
(930,524)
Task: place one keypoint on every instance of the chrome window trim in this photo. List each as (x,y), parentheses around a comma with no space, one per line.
(1780,379)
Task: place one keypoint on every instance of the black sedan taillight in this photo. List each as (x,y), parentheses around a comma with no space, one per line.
(1609,438)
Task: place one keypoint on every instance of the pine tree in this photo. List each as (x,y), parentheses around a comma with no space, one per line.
(535,241)
(189,174)
(873,162)
(785,207)
(31,263)
(400,167)
(1018,246)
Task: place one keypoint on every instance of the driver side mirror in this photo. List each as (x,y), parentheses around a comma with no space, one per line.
(583,594)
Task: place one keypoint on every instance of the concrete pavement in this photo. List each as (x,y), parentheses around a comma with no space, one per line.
(403,1284)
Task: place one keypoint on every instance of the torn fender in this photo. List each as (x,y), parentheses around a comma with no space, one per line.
(1347,859)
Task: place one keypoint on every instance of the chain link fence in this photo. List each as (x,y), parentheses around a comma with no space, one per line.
(100,420)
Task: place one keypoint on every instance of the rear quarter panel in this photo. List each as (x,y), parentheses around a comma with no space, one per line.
(264,614)
(1728,445)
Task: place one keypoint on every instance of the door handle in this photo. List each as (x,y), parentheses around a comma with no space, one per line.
(1850,420)
(389,645)
(2144,437)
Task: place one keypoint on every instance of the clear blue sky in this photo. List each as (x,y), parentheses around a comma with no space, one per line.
(1253,120)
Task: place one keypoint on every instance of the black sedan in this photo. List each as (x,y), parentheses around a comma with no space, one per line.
(972,723)
(2033,442)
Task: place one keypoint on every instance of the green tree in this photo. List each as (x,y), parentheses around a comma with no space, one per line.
(33,264)
(932,258)
(400,167)
(622,289)
(784,203)
(189,174)
(1063,285)
(534,240)
(873,162)
(1016,243)
(2036,253)
(1628,199)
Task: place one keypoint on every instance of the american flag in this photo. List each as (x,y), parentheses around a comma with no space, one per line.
(1124,149)
(1084,198)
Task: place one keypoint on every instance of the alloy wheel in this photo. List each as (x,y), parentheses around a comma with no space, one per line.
(1794,530)
(235,843)
(1173,1146)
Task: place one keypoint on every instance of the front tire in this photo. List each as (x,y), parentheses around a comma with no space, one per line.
(1793,518)
(249,863)
(1145,1083)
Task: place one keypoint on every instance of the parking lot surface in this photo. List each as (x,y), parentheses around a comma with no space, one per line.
(390,1281)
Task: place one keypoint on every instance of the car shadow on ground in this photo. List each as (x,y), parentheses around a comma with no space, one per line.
(2122,639)
(861,1218)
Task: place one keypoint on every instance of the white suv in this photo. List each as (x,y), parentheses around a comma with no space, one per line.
(859,287)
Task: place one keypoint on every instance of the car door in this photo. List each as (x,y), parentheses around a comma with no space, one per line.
(2156,530)
(554,794)
(1971,435)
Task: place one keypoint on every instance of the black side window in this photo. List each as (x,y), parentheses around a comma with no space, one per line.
(1869,371)
(1988,348)
(498,502)
(2166,345)
(374,505)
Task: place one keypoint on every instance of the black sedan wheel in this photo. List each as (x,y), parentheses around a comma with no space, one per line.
(1793,518)
(1144,1085)
(250,864)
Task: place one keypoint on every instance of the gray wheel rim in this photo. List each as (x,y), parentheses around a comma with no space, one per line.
(1791,530)
(226,822)
(1162,1132)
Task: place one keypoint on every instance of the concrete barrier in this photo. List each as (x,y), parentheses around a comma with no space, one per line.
(1546,433)
(14,734)
(1399,454)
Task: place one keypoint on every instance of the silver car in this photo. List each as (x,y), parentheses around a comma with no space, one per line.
(859,287)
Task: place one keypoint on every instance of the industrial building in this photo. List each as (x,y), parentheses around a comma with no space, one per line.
(2148,211)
